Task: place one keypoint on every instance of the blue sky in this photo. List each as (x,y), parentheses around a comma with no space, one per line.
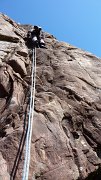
(77,22)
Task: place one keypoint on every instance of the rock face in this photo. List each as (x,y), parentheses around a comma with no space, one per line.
(66,138)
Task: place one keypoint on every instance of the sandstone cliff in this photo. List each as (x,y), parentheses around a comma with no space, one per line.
(66,139)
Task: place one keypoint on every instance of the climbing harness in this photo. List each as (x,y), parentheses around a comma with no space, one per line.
(30,119)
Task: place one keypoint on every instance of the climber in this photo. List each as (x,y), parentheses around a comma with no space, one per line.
(37,37)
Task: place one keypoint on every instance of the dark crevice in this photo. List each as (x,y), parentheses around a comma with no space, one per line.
(86,82)
(89,135)
(3,93)
(8,38)
(9,95)
(67,120)
(71,93)
(89,140)
(22,140)
(72,48)
(18,33)
(2,133)
(92,56)
(16,67)
(92,142)
(65,130)
(93,86)
(75,135)
(72,57)
(98,151)
(67,123)
(95,175)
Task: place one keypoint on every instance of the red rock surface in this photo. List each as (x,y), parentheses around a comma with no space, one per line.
(66,138)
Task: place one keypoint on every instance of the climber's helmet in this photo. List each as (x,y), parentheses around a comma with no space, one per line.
(40,28)
(37,28)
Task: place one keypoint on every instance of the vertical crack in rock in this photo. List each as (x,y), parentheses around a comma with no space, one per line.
(66,138)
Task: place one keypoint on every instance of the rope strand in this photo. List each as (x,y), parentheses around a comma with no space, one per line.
(30,119)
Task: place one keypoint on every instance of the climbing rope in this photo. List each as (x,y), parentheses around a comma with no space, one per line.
(30,119)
